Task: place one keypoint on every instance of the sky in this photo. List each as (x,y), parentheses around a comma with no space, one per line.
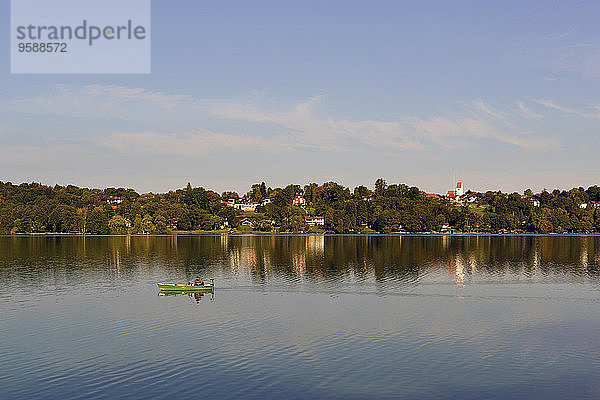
(501,95)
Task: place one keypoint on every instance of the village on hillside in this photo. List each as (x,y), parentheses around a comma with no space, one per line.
(314,208)
(457,196)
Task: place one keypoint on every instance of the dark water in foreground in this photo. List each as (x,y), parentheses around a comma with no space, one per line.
(306,317)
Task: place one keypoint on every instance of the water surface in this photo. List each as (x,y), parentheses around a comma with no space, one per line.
(298,317)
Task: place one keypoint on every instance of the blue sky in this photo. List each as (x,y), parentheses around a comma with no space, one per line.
(504,95)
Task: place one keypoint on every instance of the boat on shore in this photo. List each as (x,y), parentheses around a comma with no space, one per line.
(186,288)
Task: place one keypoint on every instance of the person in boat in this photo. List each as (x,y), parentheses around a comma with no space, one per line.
(198,281)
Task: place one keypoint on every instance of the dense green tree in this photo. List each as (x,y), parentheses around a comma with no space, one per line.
(137,224)
(593,193)
(380,186)
(117,225)
(21,225)
(97,222)
(63,218)
(147,224)
(263,190)
(160,225)
(361,192)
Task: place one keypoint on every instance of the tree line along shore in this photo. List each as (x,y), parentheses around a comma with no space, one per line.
(327,208)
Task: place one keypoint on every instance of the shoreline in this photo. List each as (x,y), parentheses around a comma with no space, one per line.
(191,234)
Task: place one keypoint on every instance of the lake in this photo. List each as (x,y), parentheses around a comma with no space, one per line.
(301,317)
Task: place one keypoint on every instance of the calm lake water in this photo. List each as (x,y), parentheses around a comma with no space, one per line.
(301,317)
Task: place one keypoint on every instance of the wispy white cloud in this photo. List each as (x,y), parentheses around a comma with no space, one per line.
(106,102)
(572,111)
(525,112)
(557,36)
(489,110)
(203,126)
(532,143)
(302,126)
(475,121)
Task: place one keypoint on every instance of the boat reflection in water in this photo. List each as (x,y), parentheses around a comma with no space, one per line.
(195,295)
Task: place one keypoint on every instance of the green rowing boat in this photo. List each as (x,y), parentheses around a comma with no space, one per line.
(180,287)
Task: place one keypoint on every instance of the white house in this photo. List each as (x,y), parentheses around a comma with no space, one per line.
(312,221)
(247,207)
(246,222)
(244,206)
(114,200)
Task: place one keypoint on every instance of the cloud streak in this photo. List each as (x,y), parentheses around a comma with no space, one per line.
(527,113)
(582,114)
(204,127)
(103,102)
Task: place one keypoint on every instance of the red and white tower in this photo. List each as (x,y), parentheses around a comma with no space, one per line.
(459,189)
